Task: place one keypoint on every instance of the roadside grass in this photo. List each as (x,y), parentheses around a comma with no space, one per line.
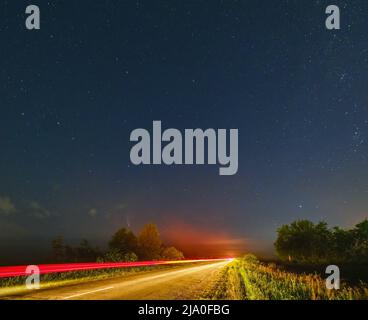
(268,282)
(228,285)
(352,273)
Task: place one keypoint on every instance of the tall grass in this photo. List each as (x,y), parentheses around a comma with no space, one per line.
(268,282)
(228,285)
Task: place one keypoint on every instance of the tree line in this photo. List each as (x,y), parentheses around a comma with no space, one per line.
(315,243)
(124,246)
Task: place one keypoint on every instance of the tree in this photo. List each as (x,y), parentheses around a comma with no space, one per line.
(130,257)
(124,240)
(361,230)
(115,255)
(306,242)
(303,241)
(342,243)
(85,252)
(360,246)
(66,253)
(171,253)
(58,249)
(149,243)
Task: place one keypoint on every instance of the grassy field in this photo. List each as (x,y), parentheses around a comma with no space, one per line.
(249,279)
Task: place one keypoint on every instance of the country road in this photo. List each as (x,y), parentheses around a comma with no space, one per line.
(181,283)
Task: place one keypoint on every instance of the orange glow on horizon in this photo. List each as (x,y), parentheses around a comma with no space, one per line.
(199,241)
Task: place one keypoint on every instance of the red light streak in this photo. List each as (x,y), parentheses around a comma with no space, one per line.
(18,271)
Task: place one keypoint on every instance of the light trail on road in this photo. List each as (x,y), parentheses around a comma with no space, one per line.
(18,271)
(185,281)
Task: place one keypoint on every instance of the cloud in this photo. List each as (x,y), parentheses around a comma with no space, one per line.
(6,206)
(92,212)
(35,210)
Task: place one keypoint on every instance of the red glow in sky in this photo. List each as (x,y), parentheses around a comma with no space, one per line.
(199,241)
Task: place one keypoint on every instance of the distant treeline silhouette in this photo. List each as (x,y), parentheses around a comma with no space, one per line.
(306,242)
(124,246)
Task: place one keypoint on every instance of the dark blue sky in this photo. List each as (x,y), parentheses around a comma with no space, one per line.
(71,93)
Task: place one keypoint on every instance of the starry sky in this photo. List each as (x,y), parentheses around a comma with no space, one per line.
(72,92)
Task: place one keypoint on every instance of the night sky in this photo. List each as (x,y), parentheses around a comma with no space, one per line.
(72,92)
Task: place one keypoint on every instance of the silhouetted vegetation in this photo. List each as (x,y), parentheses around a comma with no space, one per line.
(150,244)
(124,240)
(306,242)
(124,246)
(84,252)
(171,253)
